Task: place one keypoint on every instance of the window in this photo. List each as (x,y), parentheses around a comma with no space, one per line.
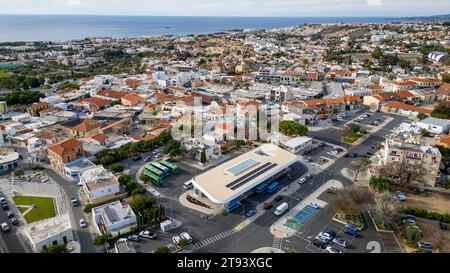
(65,239)
(55,242)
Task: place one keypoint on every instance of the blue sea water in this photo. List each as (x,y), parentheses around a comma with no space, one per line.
(71,27)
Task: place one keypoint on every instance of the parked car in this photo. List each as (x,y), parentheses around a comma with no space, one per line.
(250,213)
(314,205)
(409,221)
(134,238)
(319,243)
(82,223)
(332,190)
(400,196)
(137,157)
(329,233)
(340,242)
(3,201)
(5,207)
(9,214)
(444,226)
(176,239)
(424,251)
(309,159)
(278,198)
(331,249)
(351,230)
(302,180)
(268,205)
(321,144)
(147,234)
(14,221)
(5,227)
(425,244)
(74,202)
(148,159)
(185,235)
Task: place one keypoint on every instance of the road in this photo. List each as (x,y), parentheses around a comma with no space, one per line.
(257,234)
(70,189)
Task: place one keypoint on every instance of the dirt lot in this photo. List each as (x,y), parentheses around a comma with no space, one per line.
(437,202)
(432,233)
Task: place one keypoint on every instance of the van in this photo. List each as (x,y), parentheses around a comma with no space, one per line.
(188,185)
(281,209)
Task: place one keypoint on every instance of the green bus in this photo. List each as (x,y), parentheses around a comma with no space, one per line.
(156,176)
(173,168)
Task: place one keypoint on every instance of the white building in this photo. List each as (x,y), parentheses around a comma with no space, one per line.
(49,232)
(435,125)
(113,218)
(99,184)
(298,144)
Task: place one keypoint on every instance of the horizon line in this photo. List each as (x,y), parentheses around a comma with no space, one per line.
(222,16)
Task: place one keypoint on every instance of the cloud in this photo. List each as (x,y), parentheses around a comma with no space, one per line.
(73,2)
(296,8)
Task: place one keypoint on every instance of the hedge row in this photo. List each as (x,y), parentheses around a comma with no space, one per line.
(423,213)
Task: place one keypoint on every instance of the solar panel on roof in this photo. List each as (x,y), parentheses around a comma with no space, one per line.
(247,175)
(271,166)
(110,214)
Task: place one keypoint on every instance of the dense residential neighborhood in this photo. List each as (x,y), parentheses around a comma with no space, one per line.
(295,139)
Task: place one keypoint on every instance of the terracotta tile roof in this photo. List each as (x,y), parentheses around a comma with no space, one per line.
(403,106)
(117,95)
(65,146)
(99,137)
(86,125)
(132,98)
(445,140)
(139,138)
(404,94)
(405,83)
(375,87)
(39,105)
(425,80)
(165,98)
(342,100)
(98,102)
(444,89)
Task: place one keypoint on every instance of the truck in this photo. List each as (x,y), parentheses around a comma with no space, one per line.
(281,209)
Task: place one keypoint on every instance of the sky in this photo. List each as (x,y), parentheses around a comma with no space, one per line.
(288,8)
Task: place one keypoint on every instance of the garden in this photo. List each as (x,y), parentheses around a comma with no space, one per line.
(35,208)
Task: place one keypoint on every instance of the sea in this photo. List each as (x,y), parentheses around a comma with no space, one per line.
(15,28)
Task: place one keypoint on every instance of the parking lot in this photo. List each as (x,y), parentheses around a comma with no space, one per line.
(369,240)
(321,155)
(367,120)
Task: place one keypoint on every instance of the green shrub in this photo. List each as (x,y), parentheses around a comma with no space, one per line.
(116,167)
(145,178)
(162,249)
(88,208)
(138,191)
(423,213)
(124,179)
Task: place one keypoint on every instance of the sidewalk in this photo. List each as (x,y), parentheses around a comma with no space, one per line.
(278,229)
(147,186)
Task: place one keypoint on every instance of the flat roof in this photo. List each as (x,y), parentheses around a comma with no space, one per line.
(98,177)
(221,185)
(41,230)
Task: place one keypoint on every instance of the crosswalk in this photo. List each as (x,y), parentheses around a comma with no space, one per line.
(214,238)
(276,242)
(250,201)
(173,198)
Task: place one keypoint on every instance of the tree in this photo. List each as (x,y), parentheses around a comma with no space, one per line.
(442,110)
(292,128)
(387,205)
(18,172)
(116,167)
(162,249)
(350,200)
(56,249)
(380,183)
(363,165)
(173,148)
(425,133)
(403,173)
(183,242)
(124,179)
(422,116)
(291,250)
(102,239)
(203,156)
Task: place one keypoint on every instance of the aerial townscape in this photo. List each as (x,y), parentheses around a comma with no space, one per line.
(315,138)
